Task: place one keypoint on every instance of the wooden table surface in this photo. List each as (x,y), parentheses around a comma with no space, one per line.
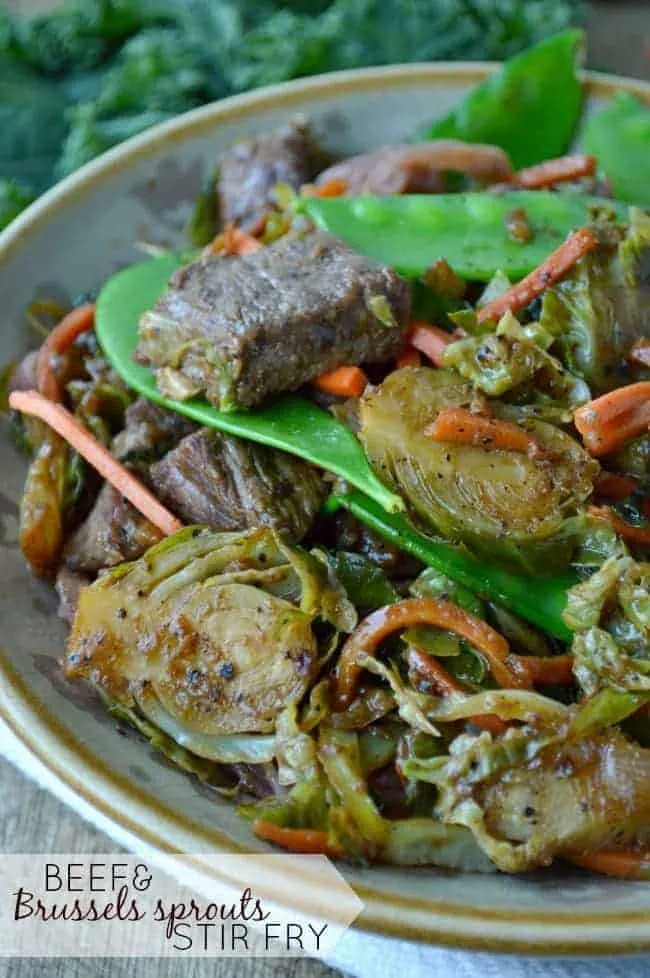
(31,820)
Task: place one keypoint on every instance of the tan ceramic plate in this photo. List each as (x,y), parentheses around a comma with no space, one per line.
(69,242)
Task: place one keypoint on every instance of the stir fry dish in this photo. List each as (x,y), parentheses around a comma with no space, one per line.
(348,504)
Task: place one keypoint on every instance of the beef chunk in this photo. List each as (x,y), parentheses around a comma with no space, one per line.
(228,484)
(419,169)
(113,531)
(149,432)
(239,329)
(250,170)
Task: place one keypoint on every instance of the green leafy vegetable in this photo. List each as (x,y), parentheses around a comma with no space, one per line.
(122,65)
(14,198)
(510,358)
(602,306)
(364,582)
(540,84)
(610,614)
(32,128)
(618,135)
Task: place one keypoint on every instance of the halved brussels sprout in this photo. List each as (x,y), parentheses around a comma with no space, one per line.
(610,615)
(529,798)
(500,503)
(216,626)
(602,306)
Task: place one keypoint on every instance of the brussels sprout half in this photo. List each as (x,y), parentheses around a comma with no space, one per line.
(503,504)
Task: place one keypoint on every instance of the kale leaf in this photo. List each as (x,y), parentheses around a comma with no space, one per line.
(76,81)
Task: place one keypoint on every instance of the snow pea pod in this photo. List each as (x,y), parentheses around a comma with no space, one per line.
(291,423)
(469,230)
(529,107)
(619,137)
(539,600)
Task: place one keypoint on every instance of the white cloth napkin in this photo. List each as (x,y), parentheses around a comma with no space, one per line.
(362,955)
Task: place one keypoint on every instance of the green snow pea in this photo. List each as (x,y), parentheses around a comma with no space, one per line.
(469,230)
(539,601)
(291,423)
(529,107)
(619,137)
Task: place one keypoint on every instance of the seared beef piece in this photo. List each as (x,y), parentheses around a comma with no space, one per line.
(249,171)
(419,169)
(68,584)
(240,329)
(229,484)
(149,432)
(113,531)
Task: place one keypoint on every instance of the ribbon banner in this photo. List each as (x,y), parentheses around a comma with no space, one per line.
(54,905)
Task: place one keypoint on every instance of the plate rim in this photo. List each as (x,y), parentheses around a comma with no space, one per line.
(457,925)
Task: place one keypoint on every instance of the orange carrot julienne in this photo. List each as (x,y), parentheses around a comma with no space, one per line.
(72,431)
(633,534)
(560,170)
(424,611)
(430,340)
(233,241)
(445,684)
(610,421)
(408,358)
(61,337)
(462,427)
(311,841)
(342,382)
(336,187)
(553,268)
(640,352)
(623,865)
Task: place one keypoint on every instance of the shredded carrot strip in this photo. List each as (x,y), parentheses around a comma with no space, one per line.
(555,171)
(72,431)
(633,534)
(553,268)
(609,862)
(464,428)
(610,421)
(233,241)
(445,684)
(310,841)
(424,611)
(409,358)
(336,187)
(430,340)
(640,352)
(76,322)
(343,382)
(613,486)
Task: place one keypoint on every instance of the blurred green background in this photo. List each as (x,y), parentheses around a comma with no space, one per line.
(77,78)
